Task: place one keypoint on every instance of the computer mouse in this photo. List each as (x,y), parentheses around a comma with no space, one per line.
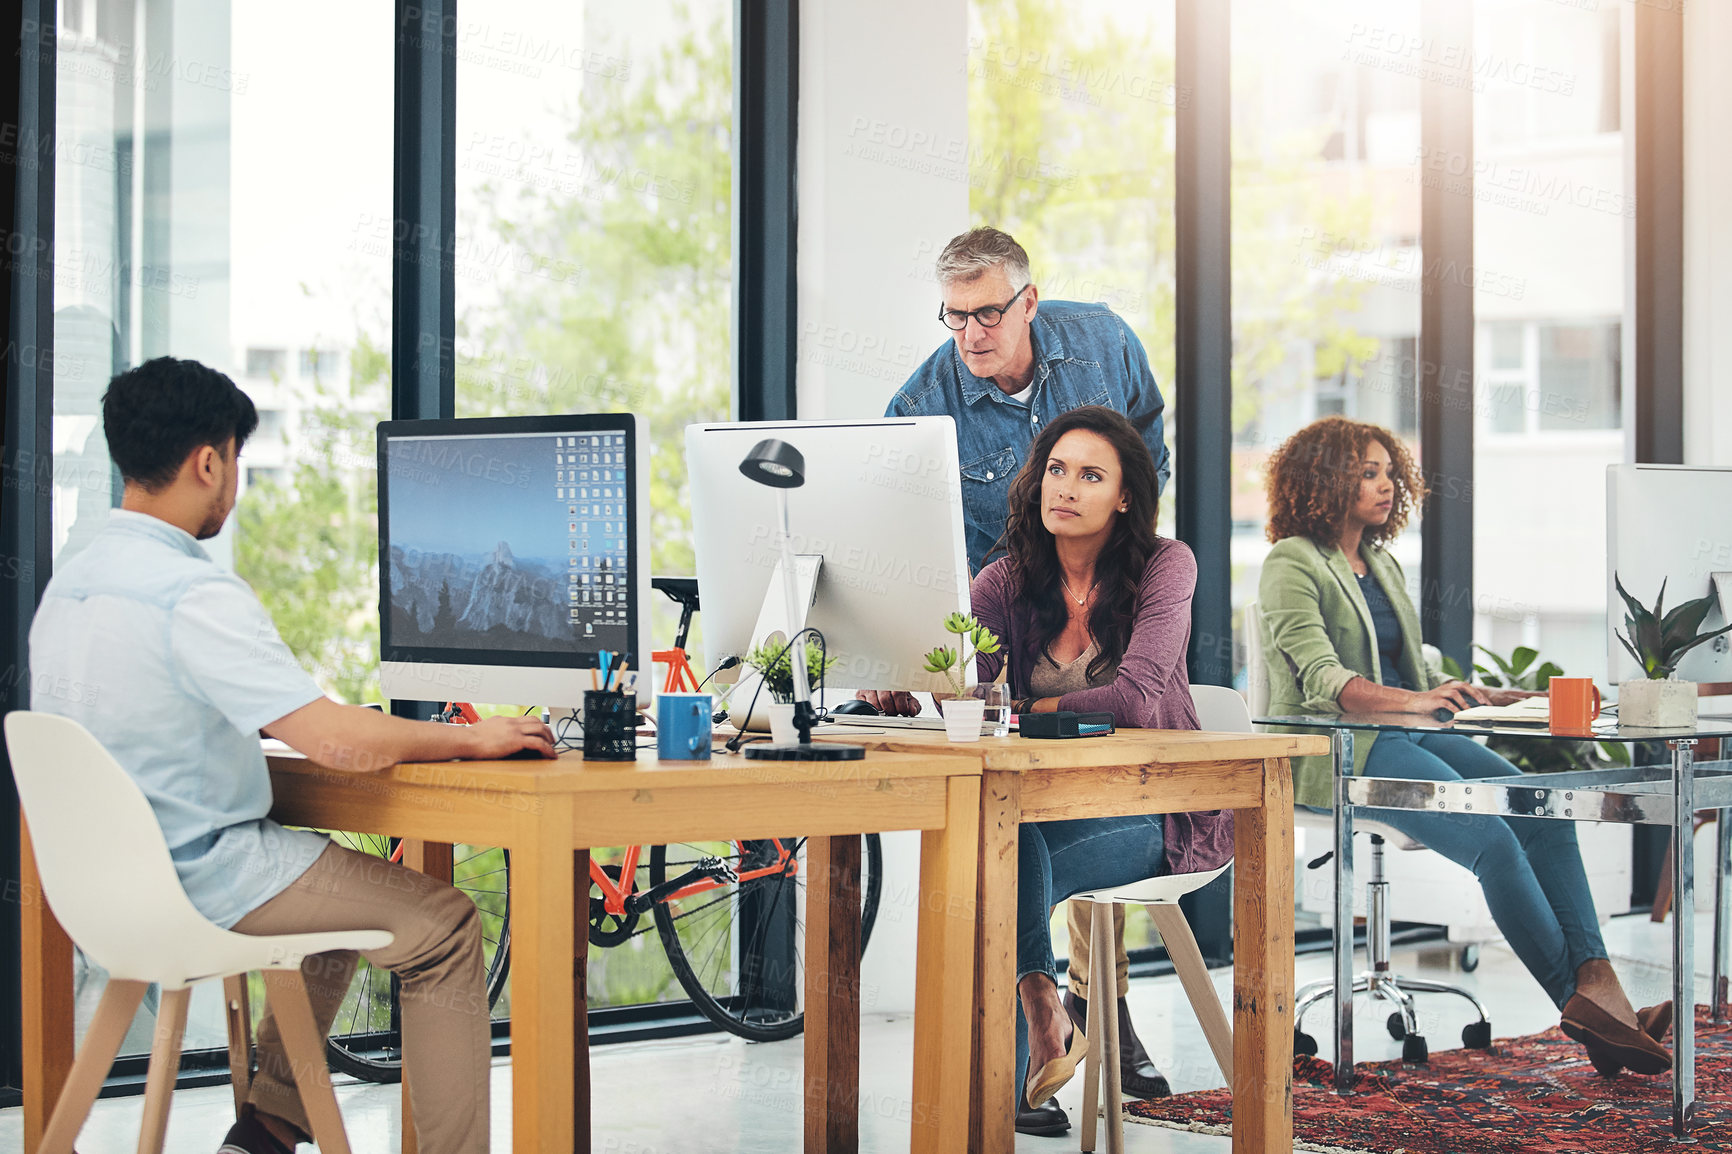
(1443,714)
(857,705)
(524,755)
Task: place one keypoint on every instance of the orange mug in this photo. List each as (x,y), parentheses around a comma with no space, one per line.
(1575,702)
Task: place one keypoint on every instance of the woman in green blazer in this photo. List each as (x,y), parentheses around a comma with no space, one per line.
(1340,635)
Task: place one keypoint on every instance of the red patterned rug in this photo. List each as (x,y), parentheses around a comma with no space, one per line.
(1523,1094)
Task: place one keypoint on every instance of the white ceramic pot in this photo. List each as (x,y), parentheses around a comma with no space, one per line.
(1648,704)
(963,717)
(782,730)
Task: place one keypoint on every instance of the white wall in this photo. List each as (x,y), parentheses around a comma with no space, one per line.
(883,179)
(1707,235)
(883,183)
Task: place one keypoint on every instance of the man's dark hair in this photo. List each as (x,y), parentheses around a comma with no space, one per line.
(156,414)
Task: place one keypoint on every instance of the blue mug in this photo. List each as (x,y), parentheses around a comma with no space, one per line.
(683,726)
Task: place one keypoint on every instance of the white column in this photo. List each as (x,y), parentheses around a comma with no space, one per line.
(883,174)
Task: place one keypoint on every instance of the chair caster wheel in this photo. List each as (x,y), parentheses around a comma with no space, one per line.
(1413,1049)
(1304,1043)
(1470,958)
(1476,1035)
(1397,1026)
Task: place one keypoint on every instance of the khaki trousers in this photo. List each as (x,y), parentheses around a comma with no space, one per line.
(447,1041)
(1078,915)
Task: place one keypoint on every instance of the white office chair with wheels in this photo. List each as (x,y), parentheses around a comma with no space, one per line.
(124,907)
(1378,979)
(1161,895)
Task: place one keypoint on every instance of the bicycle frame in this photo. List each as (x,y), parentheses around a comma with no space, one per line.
(615,896)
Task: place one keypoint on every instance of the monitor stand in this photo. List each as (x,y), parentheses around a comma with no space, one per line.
(772,618)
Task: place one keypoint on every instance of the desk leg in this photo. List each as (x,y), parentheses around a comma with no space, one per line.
(1722,852)
(46,976)
(833,995)
(1341,743)
(435,859)
(581,1117)
(944,991)
(992,1105)
(1263,967)
(544,1086)
(1683,939)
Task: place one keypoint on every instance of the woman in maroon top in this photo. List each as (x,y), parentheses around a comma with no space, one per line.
(1095,612)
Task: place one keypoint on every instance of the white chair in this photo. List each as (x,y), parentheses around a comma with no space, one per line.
(1378,979)
(1161,895)
(123,905)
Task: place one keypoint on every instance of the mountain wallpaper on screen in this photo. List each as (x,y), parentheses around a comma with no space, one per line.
(495,601)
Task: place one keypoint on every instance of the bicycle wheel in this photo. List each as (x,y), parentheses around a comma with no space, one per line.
(739,949)
(365,1039)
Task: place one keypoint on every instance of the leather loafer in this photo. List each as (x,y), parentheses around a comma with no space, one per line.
(1656,1020)
(1138,1077)
(1611,1045)
(1044,1121)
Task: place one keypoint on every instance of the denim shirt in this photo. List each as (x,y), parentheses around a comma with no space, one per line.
(1084,354)
(174,666)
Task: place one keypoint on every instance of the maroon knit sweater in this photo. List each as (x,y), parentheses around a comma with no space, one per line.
(1150,691)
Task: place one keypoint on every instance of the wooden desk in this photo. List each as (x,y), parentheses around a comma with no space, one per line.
(1131,772)
(549,814)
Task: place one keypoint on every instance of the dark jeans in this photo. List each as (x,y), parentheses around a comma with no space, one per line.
(1530,868)
(1059,858)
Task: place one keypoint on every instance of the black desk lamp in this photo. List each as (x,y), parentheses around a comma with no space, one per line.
(780,466)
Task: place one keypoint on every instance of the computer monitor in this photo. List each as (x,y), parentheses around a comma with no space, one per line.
(1670,523)
(511,555)
(881,505)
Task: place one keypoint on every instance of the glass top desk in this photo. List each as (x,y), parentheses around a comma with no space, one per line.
(1664,794)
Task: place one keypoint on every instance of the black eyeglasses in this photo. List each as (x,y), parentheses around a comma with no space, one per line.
(957,319)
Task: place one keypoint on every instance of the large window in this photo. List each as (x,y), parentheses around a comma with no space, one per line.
(1549,218)
(594,258)
(188,224)
(1325,234)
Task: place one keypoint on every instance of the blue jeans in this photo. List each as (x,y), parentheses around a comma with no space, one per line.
(1529,868)
(1056,859)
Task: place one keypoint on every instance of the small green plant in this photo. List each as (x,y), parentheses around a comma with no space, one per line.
(1658,640)
(772,663)
(953,663)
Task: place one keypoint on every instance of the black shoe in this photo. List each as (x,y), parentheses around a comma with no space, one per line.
(1048,1121)
(249,1136)
(1138,1077)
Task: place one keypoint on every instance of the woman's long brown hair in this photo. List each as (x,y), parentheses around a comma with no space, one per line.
(1119,568)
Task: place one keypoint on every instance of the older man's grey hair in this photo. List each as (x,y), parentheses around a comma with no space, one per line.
(979,249)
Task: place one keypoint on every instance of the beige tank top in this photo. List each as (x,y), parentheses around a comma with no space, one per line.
(1050,679)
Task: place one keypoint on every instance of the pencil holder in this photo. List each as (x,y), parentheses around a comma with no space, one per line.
(609,726)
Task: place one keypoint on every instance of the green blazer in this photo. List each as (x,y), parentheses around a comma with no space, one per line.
(1318,636)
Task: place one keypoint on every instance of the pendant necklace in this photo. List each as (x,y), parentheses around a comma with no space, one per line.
(1083,600)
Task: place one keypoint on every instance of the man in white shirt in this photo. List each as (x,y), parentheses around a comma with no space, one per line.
(182,669)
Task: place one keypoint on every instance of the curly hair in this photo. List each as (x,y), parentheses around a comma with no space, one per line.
(1313,480)
(1118,569)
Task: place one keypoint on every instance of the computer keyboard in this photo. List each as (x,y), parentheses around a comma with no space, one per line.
(866,721)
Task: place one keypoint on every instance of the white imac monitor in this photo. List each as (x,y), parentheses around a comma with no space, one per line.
(1670,523)
(880,507)
(512,553)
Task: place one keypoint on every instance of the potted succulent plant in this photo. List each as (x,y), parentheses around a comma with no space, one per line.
(771,662)
(1658,640)
(962,714)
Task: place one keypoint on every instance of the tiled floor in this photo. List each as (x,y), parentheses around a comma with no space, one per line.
(717,1096)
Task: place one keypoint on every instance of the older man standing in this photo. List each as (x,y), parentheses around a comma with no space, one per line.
(1013,363)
